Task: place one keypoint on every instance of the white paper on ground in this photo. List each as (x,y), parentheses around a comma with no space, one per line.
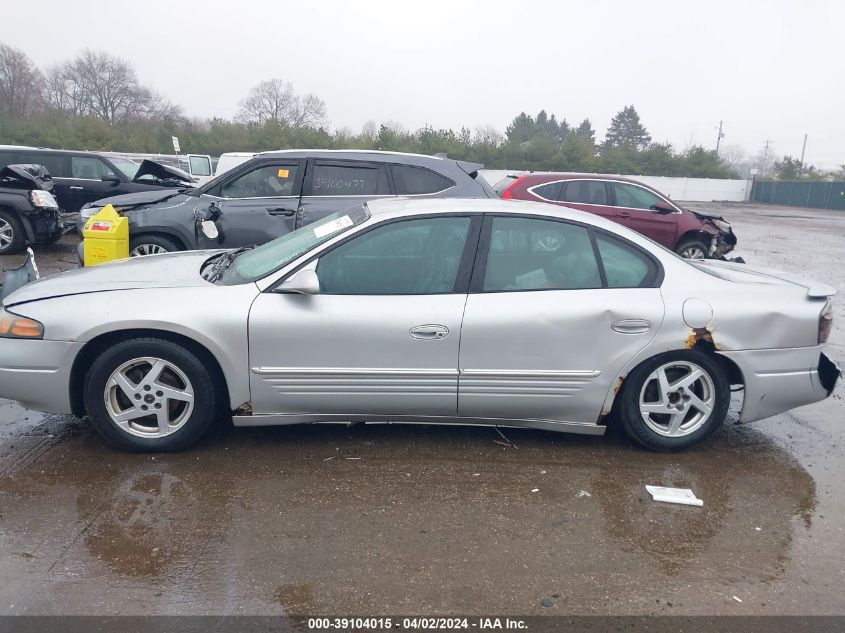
(684,496)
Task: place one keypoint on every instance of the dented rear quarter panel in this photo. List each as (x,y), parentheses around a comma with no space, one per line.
(747,320)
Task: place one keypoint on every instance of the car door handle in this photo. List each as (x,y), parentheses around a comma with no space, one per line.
(281,211)
(624,214)
(429,332)
(631,326)
(76,188)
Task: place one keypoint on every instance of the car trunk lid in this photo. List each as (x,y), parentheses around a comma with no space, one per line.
(743,273)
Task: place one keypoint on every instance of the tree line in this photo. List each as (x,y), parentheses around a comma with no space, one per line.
(95,101)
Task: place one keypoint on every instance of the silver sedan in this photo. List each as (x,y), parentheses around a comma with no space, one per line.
(483,312)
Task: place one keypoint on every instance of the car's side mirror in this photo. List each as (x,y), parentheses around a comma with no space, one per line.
(109,178)
(663,207)
(304,282)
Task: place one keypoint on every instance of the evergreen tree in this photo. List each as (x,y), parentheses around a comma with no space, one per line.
(626,131)
(585,131)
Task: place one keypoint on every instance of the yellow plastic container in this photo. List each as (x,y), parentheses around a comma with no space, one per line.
(106,237)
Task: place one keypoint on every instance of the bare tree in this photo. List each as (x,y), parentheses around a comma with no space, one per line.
(489,135)
(108,86)
(275,100)
(369,131)
(99,84)
(60,92)
(309,111)
(21,82)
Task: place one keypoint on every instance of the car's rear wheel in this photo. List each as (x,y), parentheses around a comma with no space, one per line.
(693,249)
(151,245)
(12,238)
(674,400)
(148,394)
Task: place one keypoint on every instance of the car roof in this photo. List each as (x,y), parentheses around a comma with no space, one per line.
(332,152)
(550,176)
(419,206)
(50,150)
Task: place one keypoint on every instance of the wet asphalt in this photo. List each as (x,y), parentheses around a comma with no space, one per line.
(367,520)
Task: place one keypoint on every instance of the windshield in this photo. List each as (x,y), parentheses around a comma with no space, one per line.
(128,167)
(266,259)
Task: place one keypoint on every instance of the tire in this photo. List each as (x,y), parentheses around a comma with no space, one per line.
(117,382)
(153,245)
(641,389)
(687,248)
(12,236)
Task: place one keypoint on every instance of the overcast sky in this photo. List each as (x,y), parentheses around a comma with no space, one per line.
(770,70)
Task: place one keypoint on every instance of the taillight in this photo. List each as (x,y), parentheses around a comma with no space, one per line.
(507,194)
(825,323)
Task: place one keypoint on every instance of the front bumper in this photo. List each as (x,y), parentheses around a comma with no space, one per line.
(777,380)
(37,373)
(722,244)
(42,225)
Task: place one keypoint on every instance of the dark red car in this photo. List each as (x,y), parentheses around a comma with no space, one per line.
(637,206)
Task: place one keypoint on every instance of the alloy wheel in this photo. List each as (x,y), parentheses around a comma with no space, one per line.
(149,397)
(693,252)
(7,234)
(147,249)
(677,399)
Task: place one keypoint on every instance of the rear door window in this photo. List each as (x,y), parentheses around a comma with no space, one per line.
(549,191)
(535,254)
(410,181)
(199,165)
(275,180)
(624,265)
(585,192)
(55,163)
(348,178)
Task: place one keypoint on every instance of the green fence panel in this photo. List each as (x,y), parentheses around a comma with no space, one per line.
(819,195)
(800,193)
(836,200)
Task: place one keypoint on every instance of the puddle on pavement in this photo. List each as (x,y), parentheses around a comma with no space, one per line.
(296,516)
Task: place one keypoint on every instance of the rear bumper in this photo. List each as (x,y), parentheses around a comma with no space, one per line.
(777,380)
(37,373)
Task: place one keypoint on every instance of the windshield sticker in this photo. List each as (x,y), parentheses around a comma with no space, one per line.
(333,226)
(283,173)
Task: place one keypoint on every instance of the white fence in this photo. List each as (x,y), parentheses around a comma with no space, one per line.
(687,189)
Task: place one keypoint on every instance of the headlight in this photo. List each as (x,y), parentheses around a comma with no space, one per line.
(14,326)
(722,225)
(43,199)
(84,214)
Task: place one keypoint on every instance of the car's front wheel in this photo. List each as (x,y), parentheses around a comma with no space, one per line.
(149,394)
(151,245)
(693,249)
(12,239)
(674,400)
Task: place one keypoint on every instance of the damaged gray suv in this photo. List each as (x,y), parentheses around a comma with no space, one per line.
(278,192)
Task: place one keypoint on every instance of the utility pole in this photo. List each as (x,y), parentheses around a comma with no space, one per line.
(801,165)
(719,137)
(765,156)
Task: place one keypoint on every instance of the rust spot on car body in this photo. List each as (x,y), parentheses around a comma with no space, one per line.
(618,386)
(701,337)
(607,408)
(244,409)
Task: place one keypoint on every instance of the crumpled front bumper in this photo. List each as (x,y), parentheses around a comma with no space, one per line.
(722,244)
